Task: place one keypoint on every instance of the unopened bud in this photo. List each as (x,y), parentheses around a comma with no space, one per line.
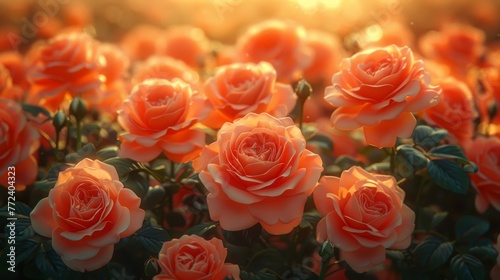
(303,90)
(59,121)
(78,108)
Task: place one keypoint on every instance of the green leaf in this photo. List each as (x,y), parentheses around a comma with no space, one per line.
(151,267)
(323,142)
(448,175)
(87,150)
(412,156)
(25,248)
(432,253)
(449,152)
(107,153)
(470,228)
(154,196)
(54,171)
(152,238)
(50,264)
(310,219)
(201,229)
(430,218)
(137,183)
(35,110)
(345,162)
(438,218)
(427,137)
(484,251)
(73,158)
(467,267)
(123,166)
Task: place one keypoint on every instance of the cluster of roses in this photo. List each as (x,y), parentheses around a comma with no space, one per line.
(259,169)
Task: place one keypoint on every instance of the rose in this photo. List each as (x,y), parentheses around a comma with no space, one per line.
(364,214)
(377,89)
(164,67)
(454,111)
(69,64)
(86,213)
(456,45)
(485,152)
(241,88)
(327,53)
(141,42)
(19,141)
(258,171)
(187,44)
(281,43)
(192,257)
(159,116)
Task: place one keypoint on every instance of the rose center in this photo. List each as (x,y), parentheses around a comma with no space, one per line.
(87,197)
(372,67)
(191,257)
(259,146)
(373,202)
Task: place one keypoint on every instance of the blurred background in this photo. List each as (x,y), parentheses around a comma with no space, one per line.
(225,20)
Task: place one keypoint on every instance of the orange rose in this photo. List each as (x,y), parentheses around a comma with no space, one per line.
(187,44)
(364,214)
(19,141)
(5,80)
(192,257)
(159,116)
(454,111)
(164,67)
(281,43)
(327,53)
(14,62)
(141,42)
(485,153)
(69,64)
(241,88)
(377,89)
(258,171)
(457,46)
(86,213)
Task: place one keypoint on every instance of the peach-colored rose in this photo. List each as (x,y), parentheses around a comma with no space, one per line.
(86,213)
(5,80)
(68,65)
(364,214)
(454,111)
(327,53)
(281,43)
(192,257)
(19,141)
(186,43)
(14,63)
(141,42)
(115,90)
(159,116)
(377,89)
(258,171)
(485,152)
(241,88)
(456,45)
(117,63)
(164,67)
